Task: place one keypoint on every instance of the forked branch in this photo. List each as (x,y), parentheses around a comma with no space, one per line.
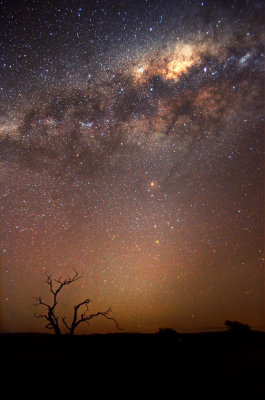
(85,318)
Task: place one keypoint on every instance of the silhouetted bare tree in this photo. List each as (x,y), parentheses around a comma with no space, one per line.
(53,320)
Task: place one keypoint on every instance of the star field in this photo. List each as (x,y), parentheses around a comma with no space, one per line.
(131,149)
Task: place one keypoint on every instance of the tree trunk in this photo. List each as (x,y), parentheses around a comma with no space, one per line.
(72,330)
(57,330)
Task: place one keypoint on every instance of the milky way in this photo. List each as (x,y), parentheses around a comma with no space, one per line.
(131,149)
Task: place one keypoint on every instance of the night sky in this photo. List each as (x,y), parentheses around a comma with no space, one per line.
(131,149)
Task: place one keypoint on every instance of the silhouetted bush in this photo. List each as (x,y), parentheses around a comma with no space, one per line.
(168,332)
(237,327)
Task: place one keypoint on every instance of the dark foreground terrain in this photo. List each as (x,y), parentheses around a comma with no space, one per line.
(192,362)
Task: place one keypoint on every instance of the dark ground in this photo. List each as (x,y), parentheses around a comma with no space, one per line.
(227,363)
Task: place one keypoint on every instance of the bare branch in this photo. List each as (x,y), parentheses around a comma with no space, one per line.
(40,302)
(65,323)
(68,281)
(105,314)
(49,281)
(113,319)
(85,302)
